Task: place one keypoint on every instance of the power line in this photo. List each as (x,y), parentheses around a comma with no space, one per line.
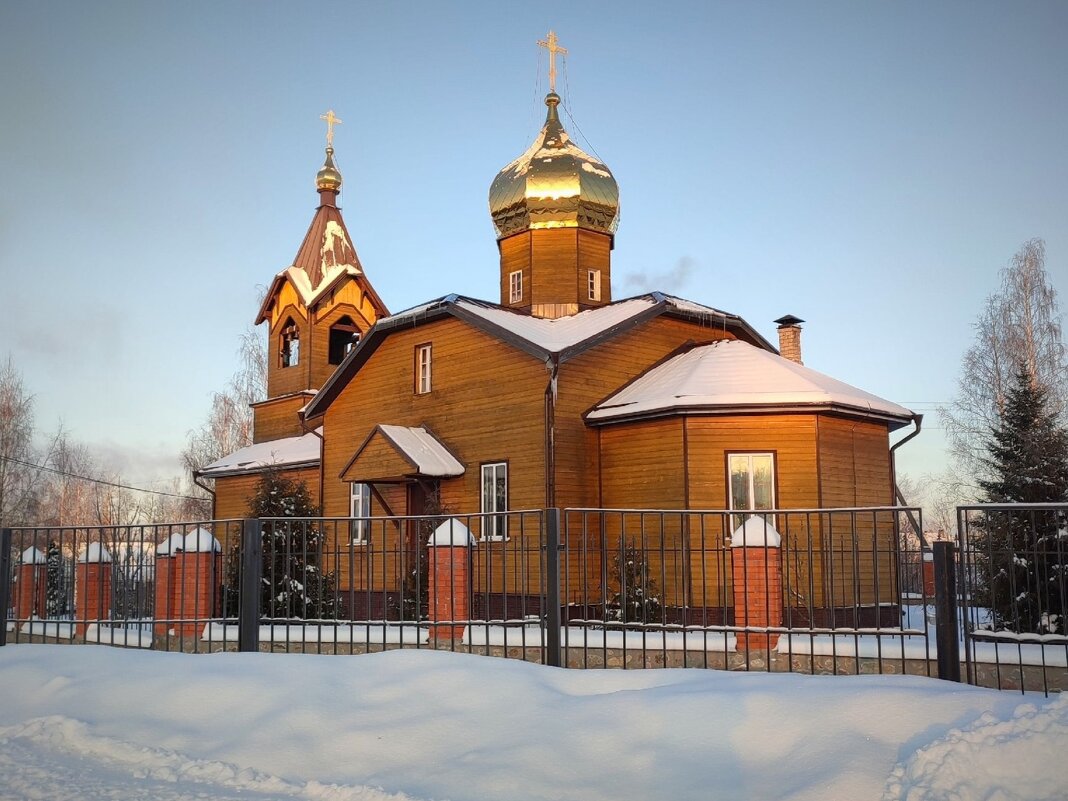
(97,480)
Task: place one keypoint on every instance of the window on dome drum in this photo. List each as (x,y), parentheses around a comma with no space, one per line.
(423,382)
(515,286)
(344,336)
(359,506)
(495,500)
(594,284)
(289,345)
(752,483)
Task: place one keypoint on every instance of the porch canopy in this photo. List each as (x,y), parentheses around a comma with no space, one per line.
(394,454)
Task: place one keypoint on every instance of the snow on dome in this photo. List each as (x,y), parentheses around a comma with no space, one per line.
(32,556)
(94,553)
(172,544)
(200,540)
(756,531)
(451,532)
(733,374)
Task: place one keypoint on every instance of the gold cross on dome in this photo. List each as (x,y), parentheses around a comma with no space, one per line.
(551,43)
(331,121)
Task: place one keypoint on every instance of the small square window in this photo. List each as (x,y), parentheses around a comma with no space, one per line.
(594,284)
(515,286)
(423,382)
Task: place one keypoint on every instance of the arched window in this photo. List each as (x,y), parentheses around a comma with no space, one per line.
(344,336)
(289,345)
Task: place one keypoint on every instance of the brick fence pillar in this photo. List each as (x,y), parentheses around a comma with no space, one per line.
(32,584)
(449,585)
(928,576)
(164,609)
(92,583)
(197,579)
(756,579)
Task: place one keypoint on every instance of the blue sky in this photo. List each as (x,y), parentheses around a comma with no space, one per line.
(867,167)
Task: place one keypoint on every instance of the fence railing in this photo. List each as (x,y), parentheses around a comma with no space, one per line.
(1014,594)
(814,590)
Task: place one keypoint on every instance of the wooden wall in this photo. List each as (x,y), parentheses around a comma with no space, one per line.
(554,262)
(278,418)
(487,405)
(232,494)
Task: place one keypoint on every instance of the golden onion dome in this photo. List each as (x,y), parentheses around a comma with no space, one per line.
(555,184)
(328,177)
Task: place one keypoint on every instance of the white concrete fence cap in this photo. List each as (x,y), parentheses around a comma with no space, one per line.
(32,556)
(451,532)
(756,531)
(94,553)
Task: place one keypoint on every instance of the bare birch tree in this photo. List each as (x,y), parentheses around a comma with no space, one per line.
(16,447)
(228,426)
(1018,326)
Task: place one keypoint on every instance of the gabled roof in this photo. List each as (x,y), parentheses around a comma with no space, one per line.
(411,451)
(290,452)
(559,339)
(325,258)
(731,375)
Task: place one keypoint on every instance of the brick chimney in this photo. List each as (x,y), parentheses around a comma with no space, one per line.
(790,337)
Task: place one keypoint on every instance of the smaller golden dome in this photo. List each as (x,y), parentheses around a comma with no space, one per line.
(555,184)
(328,178)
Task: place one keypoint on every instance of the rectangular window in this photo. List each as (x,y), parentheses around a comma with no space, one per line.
(515,286)
(594,284)
(359,506)
(422,369)
(495,500)
(752,483)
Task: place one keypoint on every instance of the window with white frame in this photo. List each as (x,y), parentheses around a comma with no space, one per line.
(594,284)
(423,382)
(495,500)
(515,286)
(359,506)
(751,478)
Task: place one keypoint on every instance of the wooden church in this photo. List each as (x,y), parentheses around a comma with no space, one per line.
(557,394)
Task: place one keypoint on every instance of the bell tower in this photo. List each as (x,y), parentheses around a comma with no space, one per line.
(555,209)
(316,309)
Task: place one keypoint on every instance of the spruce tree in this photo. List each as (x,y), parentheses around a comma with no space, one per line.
(294,585)
(55,596)
(1023,555)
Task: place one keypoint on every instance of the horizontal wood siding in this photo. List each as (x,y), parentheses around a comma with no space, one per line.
(515,255)
(487,405)
(792,438)
(233,493)
(284,380)
(379,459)
(855,461)
(278,419)
(594,253)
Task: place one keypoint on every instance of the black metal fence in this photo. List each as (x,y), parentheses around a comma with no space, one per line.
(818,590)
(1013,593)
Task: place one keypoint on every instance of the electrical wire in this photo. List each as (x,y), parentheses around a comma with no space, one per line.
(97,480)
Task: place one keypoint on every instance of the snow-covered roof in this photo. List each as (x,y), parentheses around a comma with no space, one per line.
(555,335)
(733,374)
(543,338)
(429,456)
(287,452)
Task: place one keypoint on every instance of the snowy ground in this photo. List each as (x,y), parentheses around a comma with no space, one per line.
(91,722)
